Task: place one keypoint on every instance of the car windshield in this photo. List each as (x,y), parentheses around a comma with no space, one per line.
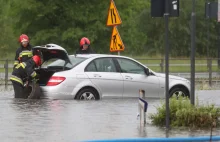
(58,63)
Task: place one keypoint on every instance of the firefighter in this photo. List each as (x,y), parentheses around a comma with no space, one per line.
(24,52)
(84,47)
(23,72)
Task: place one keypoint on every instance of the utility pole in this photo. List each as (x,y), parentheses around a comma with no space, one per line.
(193,46)
(208,30)
(166,18)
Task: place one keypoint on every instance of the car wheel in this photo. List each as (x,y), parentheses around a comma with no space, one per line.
(179,92)
(87,94)
(32,91)
(27,91)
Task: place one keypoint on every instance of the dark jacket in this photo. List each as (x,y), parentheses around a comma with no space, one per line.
(24,71)
(23,54)
(88,51)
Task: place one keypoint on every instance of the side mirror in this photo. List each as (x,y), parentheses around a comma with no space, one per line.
(147,72)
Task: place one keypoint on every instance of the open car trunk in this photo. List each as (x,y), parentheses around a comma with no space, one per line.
(47,52)
(45,75)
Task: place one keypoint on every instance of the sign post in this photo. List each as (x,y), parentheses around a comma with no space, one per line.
(166,9)
(167,50)
(114,19)
(218,10)
(193,44)
(218,33)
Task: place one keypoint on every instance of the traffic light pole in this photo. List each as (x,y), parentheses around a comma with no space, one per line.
(166,18)
(193,46)
(208,28)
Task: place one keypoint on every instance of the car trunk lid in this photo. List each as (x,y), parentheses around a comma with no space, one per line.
(48,52)
(52,51)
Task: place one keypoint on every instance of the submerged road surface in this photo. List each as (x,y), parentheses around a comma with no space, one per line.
(71,120)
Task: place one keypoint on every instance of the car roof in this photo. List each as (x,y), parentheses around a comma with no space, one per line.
(96,55)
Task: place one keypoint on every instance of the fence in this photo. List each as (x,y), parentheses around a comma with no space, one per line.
(181,65)
(206,69)
(5,71)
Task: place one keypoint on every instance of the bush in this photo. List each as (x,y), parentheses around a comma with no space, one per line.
(183,114)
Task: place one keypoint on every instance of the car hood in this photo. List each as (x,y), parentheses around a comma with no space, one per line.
(170,76)
(50,51)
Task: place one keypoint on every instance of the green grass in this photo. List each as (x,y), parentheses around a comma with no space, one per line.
(178,65)
(182,69)
(9,56)
(3,70)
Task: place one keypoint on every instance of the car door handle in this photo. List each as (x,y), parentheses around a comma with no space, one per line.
(97,75)
(128,78)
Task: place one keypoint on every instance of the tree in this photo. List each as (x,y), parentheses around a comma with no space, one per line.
(66,22)
(7,40)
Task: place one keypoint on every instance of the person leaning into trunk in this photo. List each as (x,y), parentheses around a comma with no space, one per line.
(24,52)
(24,72)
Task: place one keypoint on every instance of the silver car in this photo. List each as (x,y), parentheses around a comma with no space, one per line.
(97,76)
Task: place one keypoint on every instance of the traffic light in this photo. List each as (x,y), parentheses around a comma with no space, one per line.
(211,10)
(158,8)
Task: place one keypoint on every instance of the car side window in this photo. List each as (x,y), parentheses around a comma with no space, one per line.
(105,65)
(129,66)
(91,67)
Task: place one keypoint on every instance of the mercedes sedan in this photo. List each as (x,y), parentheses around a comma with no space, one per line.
(97,76)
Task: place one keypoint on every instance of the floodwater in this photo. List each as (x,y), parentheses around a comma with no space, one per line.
(70,120)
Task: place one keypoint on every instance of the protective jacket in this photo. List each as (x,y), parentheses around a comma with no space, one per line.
(88,51)
(23,54)
(24,71)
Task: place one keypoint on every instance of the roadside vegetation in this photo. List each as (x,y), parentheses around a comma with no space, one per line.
(183,114)
(65,22)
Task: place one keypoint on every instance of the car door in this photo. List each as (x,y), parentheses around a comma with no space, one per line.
(135,78)
(103,73)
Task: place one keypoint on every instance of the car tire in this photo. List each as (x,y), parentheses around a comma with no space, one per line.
(27,91)
(87,94)
(178,92)
(33,91)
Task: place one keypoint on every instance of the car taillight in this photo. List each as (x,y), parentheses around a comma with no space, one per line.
(55,80)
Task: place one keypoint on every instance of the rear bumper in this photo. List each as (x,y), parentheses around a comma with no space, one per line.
(56,92)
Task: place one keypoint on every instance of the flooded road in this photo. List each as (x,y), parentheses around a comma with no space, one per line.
(71,120)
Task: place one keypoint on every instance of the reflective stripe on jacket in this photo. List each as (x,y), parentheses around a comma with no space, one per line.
(16,62)
(17,79)
(23,54)
(24,71)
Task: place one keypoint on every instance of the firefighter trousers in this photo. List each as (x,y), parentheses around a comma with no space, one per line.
(19,90)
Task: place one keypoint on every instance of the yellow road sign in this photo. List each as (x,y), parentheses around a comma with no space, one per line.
(113,16)
(116,43)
